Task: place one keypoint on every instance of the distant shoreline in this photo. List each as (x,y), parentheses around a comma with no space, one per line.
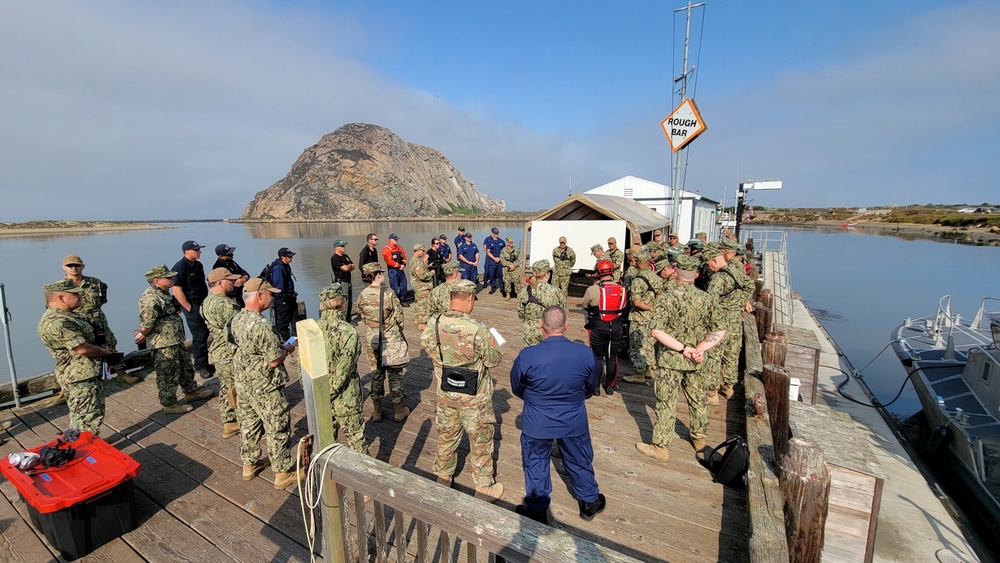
(511,216)
(960,235)
(45,228)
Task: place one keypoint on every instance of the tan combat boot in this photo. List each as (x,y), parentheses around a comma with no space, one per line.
(713,397)
(251,471)
(726,390)
(286,478)
(199,393)
(655,452)
(377,411)
(444,481)
(177,408)
(638,378)
(491,493)
(230,429)
(123,377)
(400,412)
(57,399)
(698,443)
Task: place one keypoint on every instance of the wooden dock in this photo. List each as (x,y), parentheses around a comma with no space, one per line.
(192,504)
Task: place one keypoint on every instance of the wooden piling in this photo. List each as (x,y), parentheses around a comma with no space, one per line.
(765,312)
(776,383)
(775,348)
(805,482)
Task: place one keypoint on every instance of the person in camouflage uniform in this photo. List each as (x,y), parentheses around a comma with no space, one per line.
(455,339)
(665,272)
(537,296)
(260,378)
(439,300)
(674,244)
(656,247)
(160,326)
(682,315)
(563,260)
(510,259)
(733,288)
(343,347)
(630,273)
(642,291)
(94,295)
(616,256)
(217,310)
(385,324)
(422,280)
(70,339)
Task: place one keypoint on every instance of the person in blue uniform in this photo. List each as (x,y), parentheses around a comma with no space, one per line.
(492,270)
(285,303)
(554,378)
(468,258)
(460,237)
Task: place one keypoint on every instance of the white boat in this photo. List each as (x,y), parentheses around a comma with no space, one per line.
(954,364)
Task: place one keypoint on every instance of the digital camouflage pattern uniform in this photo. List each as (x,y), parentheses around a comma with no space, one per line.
(171,360)
(343,348)
(422,279)
(440,298)
(79,376)
(732,287)
(395,352)
(218,310)
(688,314)
(617,257)
(563,261)
(546,295)
(262,409)
(465,342)
(93,296)
(644,287)
(510,259)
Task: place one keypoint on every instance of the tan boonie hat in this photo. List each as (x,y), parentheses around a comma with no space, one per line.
(257,284)
(419,246)
(462,286)
(372,268)
(451,268)
(540,267)
(72,259)
(220,274)
(63,285)
(161,271)
(595,248)
(562,239)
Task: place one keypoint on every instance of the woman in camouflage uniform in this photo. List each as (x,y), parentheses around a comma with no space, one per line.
(343,346)
(384,336)
(422,279)
(534,299)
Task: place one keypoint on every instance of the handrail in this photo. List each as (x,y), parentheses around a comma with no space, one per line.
(977,322)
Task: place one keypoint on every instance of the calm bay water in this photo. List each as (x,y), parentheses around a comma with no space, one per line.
(860,285)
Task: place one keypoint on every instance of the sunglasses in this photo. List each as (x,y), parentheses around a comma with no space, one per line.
(74,265)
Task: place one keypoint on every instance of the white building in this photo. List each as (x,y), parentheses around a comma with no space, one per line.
(698,213)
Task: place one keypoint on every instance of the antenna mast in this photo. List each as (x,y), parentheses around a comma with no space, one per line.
(675,212)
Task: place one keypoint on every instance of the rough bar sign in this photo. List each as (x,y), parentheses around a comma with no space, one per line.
(683,125)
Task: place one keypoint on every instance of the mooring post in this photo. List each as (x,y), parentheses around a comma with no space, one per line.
(319,415)
(776,383)
(805,481)
(765,310)
(775,348)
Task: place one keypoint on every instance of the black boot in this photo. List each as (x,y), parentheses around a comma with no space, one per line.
(590,509)
(493,290)
(536,515)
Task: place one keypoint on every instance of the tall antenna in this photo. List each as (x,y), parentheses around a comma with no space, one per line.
(675,213)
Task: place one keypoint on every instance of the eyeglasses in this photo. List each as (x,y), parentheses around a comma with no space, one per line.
(74,265)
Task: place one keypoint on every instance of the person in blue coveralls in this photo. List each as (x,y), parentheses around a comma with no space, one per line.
(492,270)
(554,378)
(460,237)
(468,258)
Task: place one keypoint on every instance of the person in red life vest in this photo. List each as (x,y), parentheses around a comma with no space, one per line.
(395,260)
(605,303)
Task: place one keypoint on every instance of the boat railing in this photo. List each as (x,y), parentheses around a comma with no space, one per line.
(981,320)
(773,249)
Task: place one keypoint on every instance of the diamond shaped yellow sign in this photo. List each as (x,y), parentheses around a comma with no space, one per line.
(683,125)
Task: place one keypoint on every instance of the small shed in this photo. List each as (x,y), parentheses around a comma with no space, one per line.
(587,219)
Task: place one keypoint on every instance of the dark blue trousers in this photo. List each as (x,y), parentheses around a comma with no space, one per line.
(397,282)
(578,459)
(493,275)
(199,336)
(470,273)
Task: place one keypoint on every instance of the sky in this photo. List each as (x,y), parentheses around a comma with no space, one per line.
(113,110)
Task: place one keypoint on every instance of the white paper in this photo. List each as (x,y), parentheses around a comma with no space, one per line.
(496,335)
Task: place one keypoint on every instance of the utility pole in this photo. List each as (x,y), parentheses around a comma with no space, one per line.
(675,213)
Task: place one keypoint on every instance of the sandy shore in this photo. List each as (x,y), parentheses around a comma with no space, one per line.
(77,229)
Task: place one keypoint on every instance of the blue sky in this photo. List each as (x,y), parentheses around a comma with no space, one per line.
(115,109)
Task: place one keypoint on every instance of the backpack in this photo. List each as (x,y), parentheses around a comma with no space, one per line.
(612,302)
(729,467)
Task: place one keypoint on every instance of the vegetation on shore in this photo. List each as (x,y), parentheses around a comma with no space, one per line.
(58,224)
(931,214)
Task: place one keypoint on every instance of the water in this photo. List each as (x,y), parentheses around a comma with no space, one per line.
(860,285)
(121,259)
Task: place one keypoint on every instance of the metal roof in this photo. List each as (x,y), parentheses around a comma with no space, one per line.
(594,207)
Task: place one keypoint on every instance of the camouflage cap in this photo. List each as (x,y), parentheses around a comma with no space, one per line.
(642,256)
(372,268)
(161,271)
(612,240)
(462,286)
(657,232)
(63,285)
(726,244)
(562,239)
(331,291)
(419,246)
(451,268)
(595,248)
(688,263)
(509,239)
(700,235)
(540,267)
(709,253)
(220,274)
(72,259)
(663,263)
(257,284)
(695,244)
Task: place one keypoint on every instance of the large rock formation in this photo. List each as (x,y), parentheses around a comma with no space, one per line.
(363,171)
